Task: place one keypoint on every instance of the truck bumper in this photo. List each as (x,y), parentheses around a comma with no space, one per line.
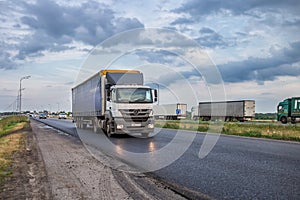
(121,126)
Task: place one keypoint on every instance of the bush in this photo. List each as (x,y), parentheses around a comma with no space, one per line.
(171,125)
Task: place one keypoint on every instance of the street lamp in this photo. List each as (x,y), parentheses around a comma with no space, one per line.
(20,102)
(58,107)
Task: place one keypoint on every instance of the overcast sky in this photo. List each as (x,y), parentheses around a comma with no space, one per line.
(254,44)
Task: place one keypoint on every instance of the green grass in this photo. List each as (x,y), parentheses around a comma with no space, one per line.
(10,143)
(271,130)
(8,124)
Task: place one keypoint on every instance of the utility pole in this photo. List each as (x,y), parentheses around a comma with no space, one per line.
(58,107)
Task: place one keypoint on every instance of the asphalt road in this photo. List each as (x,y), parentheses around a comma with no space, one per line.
(236,168)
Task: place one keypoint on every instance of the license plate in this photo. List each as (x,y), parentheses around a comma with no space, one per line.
(136,124)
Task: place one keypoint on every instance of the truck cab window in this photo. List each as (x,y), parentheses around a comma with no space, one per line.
(134,95)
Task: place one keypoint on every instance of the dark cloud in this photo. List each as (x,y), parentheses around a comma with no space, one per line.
(91,22)
(284,62)
(202,7)
(210,38)
(182,20)
(35,44)
(151,38)
(292,22)
(7,60)
(55,27)
(123,24)
(158,56)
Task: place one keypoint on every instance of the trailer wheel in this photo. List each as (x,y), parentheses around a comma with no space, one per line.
(77,124)
(283,120)
(293,120)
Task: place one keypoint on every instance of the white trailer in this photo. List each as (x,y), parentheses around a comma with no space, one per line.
(170,111)
(242,110)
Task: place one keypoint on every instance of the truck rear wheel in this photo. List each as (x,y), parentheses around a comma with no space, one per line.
(283,120)
(79,123)
(95,128)
(293,120)
(95,125)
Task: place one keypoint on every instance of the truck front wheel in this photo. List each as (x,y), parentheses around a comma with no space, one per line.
(283,120)
(145,135)
(108,129)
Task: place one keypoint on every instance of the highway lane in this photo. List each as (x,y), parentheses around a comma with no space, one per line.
(237,168)
(61,124)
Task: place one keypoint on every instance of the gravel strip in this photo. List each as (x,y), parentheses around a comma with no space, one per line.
(72,172)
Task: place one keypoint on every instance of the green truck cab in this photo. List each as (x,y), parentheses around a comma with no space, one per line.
(289,109)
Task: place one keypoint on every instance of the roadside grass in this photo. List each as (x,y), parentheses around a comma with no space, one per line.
(12,123)
(271,130)
(10,144)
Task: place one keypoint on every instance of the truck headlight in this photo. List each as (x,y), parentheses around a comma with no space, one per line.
(120,126)
(150,125)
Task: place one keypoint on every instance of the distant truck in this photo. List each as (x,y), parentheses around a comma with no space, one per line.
(170,111)
(242,110)
(115,101)
(288,109)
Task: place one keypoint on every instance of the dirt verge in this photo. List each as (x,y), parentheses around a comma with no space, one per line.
(72,172)
(28,179)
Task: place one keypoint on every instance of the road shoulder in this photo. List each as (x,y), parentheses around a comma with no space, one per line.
(72,172)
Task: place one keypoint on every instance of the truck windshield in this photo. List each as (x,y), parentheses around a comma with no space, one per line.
(133,95)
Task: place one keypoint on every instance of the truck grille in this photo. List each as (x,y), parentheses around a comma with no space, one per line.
(135,115)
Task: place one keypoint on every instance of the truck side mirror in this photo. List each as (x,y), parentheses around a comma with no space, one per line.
(155,95)
(107,86)
(108,92)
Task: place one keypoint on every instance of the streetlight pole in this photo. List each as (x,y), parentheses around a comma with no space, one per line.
(58,107)
(20,100)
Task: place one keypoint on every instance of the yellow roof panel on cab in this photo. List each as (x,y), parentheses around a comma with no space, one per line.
(103,72)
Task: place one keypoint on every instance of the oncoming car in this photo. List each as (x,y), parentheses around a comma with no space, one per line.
(42,116)
(62,116)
